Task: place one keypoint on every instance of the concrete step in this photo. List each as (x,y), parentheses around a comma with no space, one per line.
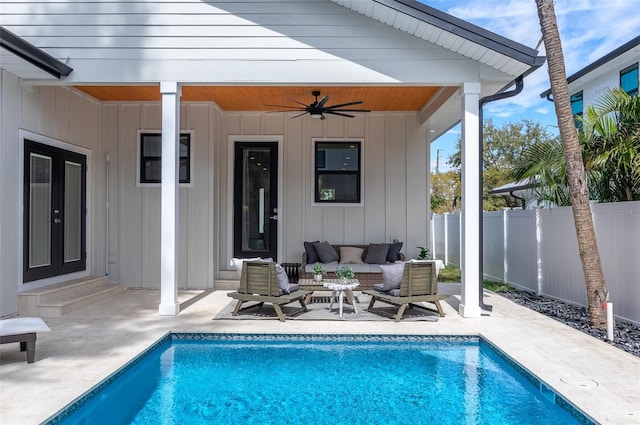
(224,284)
(56,300)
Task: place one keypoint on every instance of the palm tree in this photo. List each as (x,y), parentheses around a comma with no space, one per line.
(611,139)
(543,164)
(597,293)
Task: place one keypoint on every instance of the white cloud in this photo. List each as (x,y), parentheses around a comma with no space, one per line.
(589,29)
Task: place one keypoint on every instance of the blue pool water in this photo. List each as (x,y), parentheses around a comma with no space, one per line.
(257,379)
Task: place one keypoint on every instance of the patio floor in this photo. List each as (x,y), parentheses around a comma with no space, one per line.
(87,345)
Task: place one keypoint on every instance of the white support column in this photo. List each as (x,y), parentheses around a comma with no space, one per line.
(169,204)
(471,200)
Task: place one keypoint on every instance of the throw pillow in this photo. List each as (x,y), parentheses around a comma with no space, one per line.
(351,255)
(237,263)
(312,255)
(394,251)
(392,275)
(326,252)
(377,253)
(283,279)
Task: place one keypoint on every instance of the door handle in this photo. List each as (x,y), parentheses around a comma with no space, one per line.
(274,217)
(57,220)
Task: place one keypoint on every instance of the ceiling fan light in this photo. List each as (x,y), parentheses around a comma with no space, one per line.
(315,115)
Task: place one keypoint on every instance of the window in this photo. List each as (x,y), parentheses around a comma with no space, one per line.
(629,80)
(338,172)
(150,155)
(576,108)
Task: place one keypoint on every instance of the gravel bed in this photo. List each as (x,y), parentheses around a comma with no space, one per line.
(626,336)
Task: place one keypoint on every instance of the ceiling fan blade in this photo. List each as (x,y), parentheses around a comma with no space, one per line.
(299,115)
(347,110)
(323,101)
(357,102)
(290,107)
(338,113)
(298,102)
(283,111)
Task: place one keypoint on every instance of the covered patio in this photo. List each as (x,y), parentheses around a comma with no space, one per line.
(212,72)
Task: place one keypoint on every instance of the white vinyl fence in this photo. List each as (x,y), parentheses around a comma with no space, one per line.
(537,250)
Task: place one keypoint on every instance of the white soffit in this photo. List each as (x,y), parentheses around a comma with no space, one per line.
(22,68)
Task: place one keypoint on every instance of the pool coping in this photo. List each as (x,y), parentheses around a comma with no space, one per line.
(545,389)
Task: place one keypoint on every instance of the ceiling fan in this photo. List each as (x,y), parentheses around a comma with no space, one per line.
(317,109)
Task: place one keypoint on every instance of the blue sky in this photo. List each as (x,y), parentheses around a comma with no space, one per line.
(589,29)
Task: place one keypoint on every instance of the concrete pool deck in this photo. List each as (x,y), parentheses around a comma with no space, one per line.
(89,344)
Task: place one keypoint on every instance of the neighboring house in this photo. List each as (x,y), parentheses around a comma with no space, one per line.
(524,194)
(618,68)
(99,98)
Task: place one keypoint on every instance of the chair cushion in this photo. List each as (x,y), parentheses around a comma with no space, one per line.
(22,325)
(391,276)
(351,255)
(237,263)
(377,253)
(283,280)
(312,255)
(394,251)
(326,252)
(378,287)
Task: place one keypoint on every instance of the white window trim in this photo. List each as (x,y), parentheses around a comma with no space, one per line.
(313,172)
(191,157)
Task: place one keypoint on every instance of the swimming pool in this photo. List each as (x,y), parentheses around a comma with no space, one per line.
(313,379)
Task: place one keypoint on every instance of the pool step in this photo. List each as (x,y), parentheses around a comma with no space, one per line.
(56,300)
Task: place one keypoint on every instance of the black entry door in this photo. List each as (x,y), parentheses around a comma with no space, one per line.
(54,211)
(255,217)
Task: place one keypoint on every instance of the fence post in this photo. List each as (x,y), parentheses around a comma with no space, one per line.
(539,277)
(505,260)
(446,238)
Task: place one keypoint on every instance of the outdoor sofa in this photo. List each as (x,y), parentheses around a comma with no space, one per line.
(365,260)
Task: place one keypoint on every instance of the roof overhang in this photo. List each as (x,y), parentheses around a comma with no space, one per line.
(613,60)
(521,185)
(25,60)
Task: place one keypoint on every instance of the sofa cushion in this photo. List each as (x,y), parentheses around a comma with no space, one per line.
(351,255)
(326,252)
(329,267)
(392,275)
(363,268)
(312,255)
(377,253)
(394,251)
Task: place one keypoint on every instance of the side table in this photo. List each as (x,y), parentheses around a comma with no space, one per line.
(338,289)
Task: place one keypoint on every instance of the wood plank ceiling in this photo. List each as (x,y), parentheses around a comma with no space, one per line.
(257,98)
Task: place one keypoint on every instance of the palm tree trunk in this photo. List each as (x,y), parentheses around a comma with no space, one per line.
(597,293)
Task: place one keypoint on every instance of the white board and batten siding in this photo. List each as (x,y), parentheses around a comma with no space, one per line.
(62,117)
(394,154)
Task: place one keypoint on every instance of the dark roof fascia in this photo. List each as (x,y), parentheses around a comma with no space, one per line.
(467,31)
(598,63)
(509,190)
(32,54)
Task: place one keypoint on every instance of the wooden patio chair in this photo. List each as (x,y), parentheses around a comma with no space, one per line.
(419,284)
(259,282)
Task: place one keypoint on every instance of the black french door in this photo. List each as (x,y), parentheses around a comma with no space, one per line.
(54,211)
(255,217)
